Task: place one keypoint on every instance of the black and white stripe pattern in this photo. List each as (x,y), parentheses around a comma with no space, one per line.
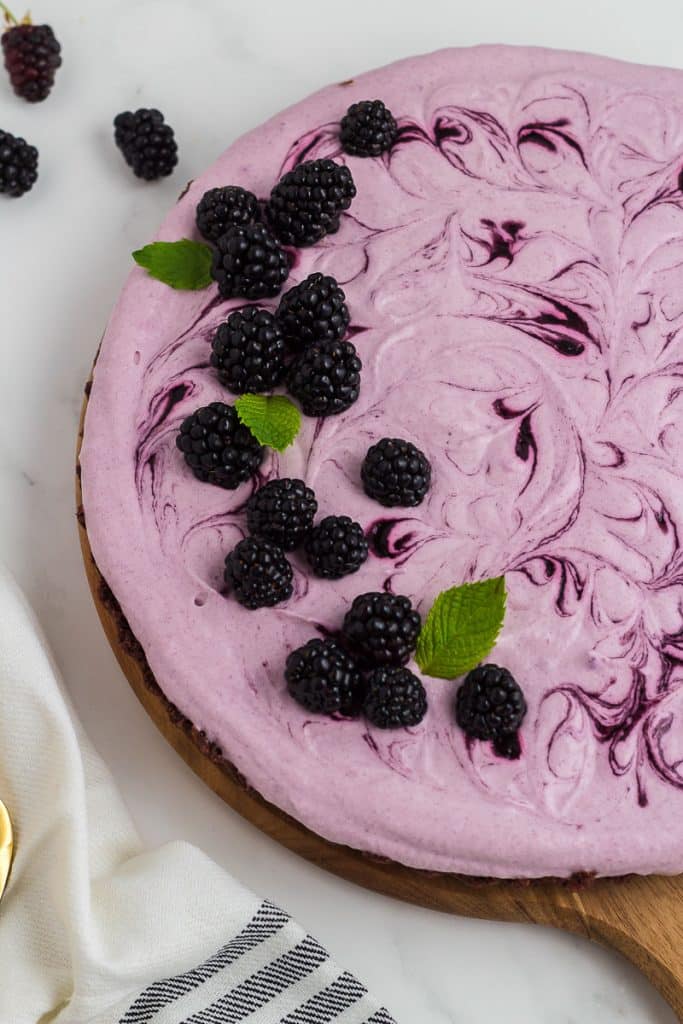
(270,973)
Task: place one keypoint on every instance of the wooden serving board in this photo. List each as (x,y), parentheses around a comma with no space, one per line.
(641,917)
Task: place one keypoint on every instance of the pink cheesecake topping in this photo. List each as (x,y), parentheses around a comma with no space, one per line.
(514,274)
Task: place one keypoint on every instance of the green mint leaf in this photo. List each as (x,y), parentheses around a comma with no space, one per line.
(461,628)
(273,420)
(185,265)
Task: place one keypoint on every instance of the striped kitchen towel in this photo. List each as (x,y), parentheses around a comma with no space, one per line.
(271,972)
(95,929)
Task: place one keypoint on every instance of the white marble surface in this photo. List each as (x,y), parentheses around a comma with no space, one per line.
(216,69)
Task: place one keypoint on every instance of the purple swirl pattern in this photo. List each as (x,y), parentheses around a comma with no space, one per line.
(514,270)
(639,709)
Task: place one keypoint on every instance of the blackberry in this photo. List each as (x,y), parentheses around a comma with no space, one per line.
(147,143)
(396,698)
(219,208)
(490,706)
(32,56)
(258,573)
(218,448)
(306,203)
(368,129)
(282,511)
(324,679)
(248,262)
(336,547)
(249,351)
(18,165)
(314,310)
(395,472)
(325,378)
(382,628)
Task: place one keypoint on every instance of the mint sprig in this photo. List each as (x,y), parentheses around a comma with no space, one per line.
(185,265)
(272,419)
(461,628)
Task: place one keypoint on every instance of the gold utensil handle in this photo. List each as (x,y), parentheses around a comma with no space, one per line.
(6,846)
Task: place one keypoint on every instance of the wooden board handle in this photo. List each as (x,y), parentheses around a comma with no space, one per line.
(640,917)
(643,919)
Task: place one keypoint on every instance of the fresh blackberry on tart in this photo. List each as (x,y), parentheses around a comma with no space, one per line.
(248,351)
(217,447)
(382,627)
(222,208)
(490,705)
(307,202)
(336,547)
(282,511)
(396,473)
(368,128)
(248,263)
(258,573)
(325,378)
(312,311)
(324,679)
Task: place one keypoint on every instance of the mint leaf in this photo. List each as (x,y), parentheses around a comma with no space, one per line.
(461,628)
(273,420)
(184,265)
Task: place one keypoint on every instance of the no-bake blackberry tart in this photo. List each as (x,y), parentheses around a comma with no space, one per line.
(487,370)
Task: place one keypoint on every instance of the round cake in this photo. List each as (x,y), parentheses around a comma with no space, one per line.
(512,263)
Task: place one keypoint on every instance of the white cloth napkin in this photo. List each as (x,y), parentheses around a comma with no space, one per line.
(94,929)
